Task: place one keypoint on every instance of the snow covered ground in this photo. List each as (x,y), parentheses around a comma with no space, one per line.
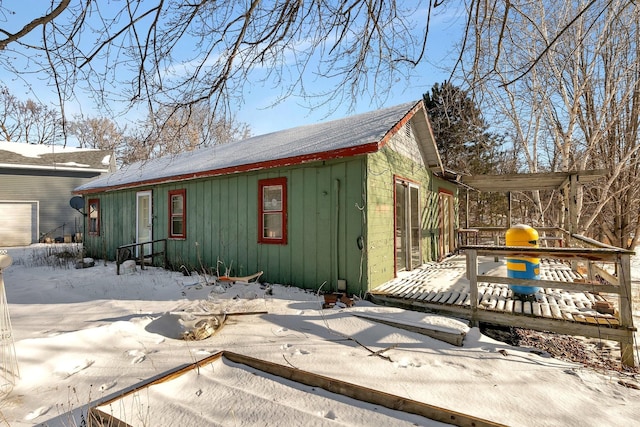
(82,335)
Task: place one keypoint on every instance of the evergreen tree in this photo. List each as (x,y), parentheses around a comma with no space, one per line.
(467,146)
(461,133)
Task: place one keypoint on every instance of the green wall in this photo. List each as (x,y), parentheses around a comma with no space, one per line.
(330,205)
(382,167)
(324,222)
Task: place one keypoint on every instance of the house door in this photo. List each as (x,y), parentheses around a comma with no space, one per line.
(447,224)
(144,221)
(407,225)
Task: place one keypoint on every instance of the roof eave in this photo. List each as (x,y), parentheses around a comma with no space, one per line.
(53,168)
(368,148)
(426,140)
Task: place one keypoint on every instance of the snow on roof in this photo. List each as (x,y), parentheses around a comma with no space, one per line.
(16,155)
(295,143)
(36,150)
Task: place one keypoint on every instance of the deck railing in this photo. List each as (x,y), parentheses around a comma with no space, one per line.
(549,236)
(137,251)
(599,279)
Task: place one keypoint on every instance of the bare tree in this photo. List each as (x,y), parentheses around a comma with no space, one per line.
(171,53)
(27,121)
(172,131)
(97,132)
(565,77)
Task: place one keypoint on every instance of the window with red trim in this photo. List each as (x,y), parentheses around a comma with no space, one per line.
(272,211)
(94,217)
(178,214)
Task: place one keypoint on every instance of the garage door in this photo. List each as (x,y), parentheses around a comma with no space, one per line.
(18,223)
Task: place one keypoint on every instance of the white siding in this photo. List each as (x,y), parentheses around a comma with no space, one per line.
(405,144)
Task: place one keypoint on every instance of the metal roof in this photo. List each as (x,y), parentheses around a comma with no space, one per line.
(350,136)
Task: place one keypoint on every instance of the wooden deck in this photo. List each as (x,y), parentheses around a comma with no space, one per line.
(443,287)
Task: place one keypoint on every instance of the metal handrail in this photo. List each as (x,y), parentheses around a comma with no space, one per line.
(120,252)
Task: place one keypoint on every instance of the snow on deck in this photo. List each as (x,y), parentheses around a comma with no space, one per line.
(444,286)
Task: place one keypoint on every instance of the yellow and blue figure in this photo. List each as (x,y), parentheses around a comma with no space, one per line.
(523,267)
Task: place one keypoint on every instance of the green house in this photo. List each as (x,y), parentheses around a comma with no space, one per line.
(347,203)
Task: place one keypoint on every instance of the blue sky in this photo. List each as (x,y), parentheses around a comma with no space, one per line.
(445,33)
(258,110)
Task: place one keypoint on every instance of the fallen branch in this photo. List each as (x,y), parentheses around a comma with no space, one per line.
(373,352)
(379,352)
(376,353)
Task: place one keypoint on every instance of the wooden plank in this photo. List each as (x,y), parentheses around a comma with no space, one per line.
(504,292)
(625,306)
(537,311)
(98,418)
(414,293)
(606,275)
(508,307)
(443,297)
(579,318)
(422,295)
(555,311)
(452,298)
(559,284)
(493,299)
(332,385)
(436,297)
(382,289)
(363,393)
(454,338)
(467,300)
(402,291)
(560,327)
(486,297)
(507,319)
(517,306)
(593,254)
(526,308)
(614,322)
(428,297)
(546,310)
(579,304)
(472,275)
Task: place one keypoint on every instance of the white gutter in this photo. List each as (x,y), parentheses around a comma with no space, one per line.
(54,167)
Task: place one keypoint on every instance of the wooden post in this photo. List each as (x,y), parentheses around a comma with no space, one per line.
(509,209)
(141,255)
(626,311)
(466,218)
(164,253)
(573,204)
(472,266)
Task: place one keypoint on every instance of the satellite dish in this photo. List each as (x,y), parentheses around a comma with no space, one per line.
(77,203)
(5,261)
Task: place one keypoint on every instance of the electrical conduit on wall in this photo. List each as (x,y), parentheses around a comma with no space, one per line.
(336,230)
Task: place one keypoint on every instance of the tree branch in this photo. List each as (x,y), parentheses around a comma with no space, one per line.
(33,24)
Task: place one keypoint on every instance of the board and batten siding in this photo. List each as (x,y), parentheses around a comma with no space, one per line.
(325,219)
(400,158)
